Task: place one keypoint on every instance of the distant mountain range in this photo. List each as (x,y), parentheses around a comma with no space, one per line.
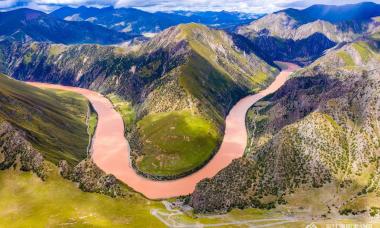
(338,23)
(335,14)
(292,30)
(116,25)
(32,25)
(136,21)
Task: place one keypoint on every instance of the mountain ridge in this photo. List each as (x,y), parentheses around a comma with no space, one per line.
(136,21)
(31,25)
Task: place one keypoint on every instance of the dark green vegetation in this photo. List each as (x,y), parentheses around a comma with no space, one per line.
(54,121)
(318,135)
(189,69)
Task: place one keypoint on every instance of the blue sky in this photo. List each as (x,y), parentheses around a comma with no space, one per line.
(252,6)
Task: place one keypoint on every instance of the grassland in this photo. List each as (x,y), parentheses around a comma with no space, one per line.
(29,202)
(55,121)
(175,142)
(258,218)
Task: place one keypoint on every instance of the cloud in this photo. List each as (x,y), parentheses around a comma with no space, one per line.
(253,6)
(7,3)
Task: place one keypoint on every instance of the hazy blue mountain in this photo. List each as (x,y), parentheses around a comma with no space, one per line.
(222,19)
(302,35)
(32,25)
(338,23)
(136,21)
(335,14)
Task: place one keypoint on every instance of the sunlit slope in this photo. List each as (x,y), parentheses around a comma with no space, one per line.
(29,201)
(54,121)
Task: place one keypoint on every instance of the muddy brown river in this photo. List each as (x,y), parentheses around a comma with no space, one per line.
(110,149)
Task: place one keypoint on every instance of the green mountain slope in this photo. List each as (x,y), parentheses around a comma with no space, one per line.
(53,122)
(188,73)
(318,135)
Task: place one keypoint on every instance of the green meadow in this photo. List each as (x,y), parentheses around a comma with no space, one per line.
(175,142)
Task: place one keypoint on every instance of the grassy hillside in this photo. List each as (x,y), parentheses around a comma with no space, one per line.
(209,77)
(175,142)
(54,121)
(213,78)
(349,57)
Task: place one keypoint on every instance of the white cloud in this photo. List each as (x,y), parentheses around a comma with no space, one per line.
(258,6)
(254,6)
(7,3)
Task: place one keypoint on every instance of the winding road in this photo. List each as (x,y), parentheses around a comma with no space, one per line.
(110,150)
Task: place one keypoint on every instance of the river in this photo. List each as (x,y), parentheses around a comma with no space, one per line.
(110,150)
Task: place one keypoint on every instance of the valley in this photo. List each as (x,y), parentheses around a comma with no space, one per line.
(126,114)
(116,159)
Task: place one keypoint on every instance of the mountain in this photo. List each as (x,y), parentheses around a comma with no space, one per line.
(269,48)
(45,130)
(40,124)
(303,35)
(32,25)
(356,21)
(135,21)
(222,20)
(43,138)
(318,135)
(127,20)
(187,77)
(334,14)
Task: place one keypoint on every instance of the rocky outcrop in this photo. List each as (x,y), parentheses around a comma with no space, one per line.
(17,152)
(90,178)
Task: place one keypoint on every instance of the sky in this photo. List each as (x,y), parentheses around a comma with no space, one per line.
(250,6)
